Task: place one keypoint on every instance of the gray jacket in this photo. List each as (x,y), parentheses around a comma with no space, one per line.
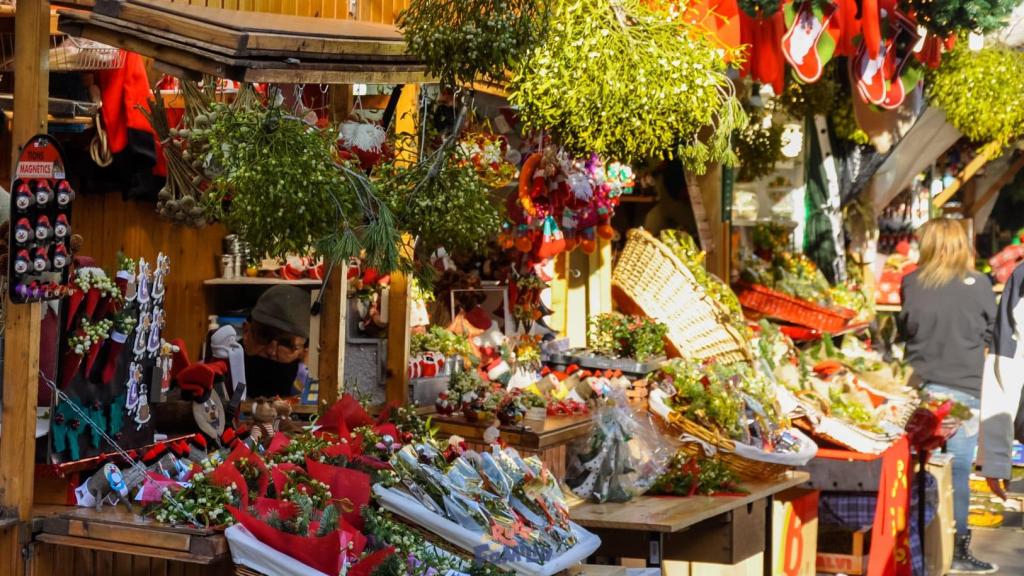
(1003,381)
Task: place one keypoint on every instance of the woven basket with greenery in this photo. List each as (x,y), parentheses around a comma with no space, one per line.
(650,280)
(699,440)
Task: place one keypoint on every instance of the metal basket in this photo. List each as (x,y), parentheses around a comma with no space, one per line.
(67,54)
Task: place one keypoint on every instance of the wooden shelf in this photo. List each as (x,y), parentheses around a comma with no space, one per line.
(310,282)
(86,121)
(639,199)
(753,223)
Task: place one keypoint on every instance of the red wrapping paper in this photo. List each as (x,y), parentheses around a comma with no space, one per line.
(243,451)
(323,553)
(350,489)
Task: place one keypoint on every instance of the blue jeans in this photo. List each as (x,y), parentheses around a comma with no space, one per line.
(962,446)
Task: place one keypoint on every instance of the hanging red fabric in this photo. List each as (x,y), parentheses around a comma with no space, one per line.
(849,27)
(871,27)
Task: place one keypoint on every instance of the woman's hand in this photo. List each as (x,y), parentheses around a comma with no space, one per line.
(998,486)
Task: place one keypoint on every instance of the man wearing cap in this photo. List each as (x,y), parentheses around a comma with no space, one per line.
(275,340)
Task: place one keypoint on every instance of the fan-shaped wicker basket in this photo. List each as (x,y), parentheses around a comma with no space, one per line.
(650,280)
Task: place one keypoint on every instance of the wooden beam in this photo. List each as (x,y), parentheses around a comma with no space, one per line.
(333,321)
(396,390)
(397,387)
(21,350)
(994,189)
(985,154)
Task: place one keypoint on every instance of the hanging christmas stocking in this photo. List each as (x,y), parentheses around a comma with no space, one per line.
(869,73)
(114,346)
(805,45)
(897,53)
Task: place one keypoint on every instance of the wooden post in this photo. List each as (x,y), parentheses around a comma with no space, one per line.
(333,322)
(985,153)
(334,299)
(397,390)
(21,352)
(994,189)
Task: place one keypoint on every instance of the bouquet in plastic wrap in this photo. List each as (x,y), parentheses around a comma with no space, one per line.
(515,500)
(622,457)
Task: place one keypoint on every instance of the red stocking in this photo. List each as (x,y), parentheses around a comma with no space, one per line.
(801,42)
(74,302)
(114,346)
(90,358)
(69,367)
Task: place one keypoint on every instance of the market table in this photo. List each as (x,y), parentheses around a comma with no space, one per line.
(723,529)
(71,540)
(548,438)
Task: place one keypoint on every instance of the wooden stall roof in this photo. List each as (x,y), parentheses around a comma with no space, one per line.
(250,47)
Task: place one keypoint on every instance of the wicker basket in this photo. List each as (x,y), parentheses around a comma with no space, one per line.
(773,304)
(650,280)
(745,468)
(246,571)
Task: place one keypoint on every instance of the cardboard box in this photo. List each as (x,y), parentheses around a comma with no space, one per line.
(939,536)
(795,533)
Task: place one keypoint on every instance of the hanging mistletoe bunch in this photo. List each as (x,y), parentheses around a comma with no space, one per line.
(801,100)
(982,93)
(625,82)
(948,17)
(275,182)
(758,147)
(465,40)
(441,201)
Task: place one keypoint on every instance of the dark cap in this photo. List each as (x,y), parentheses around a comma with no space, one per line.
(286,308)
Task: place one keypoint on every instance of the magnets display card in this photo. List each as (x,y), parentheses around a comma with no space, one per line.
(41,212)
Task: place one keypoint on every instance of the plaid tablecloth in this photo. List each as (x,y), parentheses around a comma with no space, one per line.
(856,510)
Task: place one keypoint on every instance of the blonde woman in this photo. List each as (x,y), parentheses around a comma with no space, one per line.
(946,322)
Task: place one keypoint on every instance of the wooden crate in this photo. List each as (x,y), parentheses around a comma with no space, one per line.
(844,552)
(113,541)
(549,438)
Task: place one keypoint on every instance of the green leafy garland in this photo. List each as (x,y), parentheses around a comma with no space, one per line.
(950,17)
(276,183)
(982,93)
(625,82)
(758,148)
(466,40)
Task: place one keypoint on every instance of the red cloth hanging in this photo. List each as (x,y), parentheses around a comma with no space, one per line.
(849,27)
(123,91)
(871,27)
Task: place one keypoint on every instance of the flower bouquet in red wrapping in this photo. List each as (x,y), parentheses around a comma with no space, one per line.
(935,421)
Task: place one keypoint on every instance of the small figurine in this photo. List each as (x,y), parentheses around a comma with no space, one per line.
(156,325)
(141,335)
(163,268)
(143,279)
(443,406)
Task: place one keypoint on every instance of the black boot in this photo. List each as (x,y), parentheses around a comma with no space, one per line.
(964,562)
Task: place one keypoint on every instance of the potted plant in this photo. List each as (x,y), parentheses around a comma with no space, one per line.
(616,335)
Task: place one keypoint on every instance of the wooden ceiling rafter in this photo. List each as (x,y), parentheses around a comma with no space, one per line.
(241,46)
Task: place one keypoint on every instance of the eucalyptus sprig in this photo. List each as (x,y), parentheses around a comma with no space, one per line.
(627,82)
